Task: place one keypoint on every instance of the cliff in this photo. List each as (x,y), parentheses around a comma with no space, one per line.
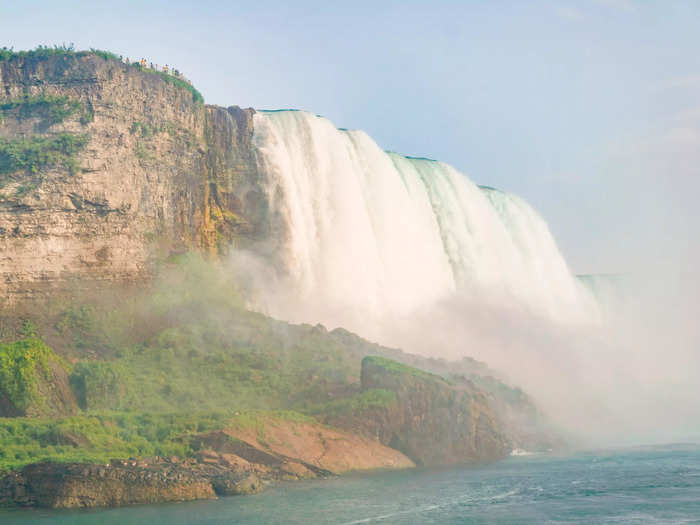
(106,168)
(432,421)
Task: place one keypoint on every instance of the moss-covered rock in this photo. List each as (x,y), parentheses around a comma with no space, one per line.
(33,380)
(431,420)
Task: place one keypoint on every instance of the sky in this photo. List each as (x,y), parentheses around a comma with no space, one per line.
(588,109)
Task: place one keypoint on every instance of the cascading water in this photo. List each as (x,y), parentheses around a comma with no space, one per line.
(370,234)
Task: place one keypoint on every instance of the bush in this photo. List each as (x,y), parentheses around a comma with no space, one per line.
(8,53)
(175,81)
(51,108)
(97,438)
(358,404)
(20,362)
(34,153)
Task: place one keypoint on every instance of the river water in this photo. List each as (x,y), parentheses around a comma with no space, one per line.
(650,485)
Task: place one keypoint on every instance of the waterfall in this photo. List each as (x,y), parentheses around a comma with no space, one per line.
(369,234)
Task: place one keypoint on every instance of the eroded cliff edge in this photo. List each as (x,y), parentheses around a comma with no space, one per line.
(108,168)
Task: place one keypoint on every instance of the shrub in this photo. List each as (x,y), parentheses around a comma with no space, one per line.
(101,436)
(51,108)
(34,153)
(175,81)
(371,399)
(20,362)
(8,53)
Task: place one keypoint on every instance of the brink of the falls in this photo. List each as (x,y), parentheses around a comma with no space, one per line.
(368,235)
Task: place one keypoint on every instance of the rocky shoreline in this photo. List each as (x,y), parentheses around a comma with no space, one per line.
(223,466)
(130,482)
(417,418)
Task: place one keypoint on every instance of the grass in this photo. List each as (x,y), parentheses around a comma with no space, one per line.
(175,81)
(34,153)
(102,436)
(98,438)
(360,403)
(142,129)
(395,367)
(151,368)
(188,344)
(8,53)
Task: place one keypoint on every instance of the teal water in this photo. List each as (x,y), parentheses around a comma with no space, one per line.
(653,485)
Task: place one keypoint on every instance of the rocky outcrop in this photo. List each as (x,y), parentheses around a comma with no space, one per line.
(58,485)
(120,483)
(158,173)
(234,461)
(282,448)
(430,420)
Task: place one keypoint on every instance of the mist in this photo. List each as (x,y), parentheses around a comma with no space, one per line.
(626,378)
(409,253)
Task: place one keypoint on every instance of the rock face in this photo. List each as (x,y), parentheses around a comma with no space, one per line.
(160,173)
(432,421)
(299,449)
(314,447)
(81,485)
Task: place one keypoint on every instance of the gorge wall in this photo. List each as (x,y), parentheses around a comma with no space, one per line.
(106,169)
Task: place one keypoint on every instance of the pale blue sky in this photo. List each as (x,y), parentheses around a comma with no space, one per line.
(589,109)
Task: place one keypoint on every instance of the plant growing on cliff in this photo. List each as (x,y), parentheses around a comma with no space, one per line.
(101,437)
(372,399)
(178,82)
(8,53)
(175,81)
(34,153)
(141,128)
(52,109)
(394,367)
(20,362)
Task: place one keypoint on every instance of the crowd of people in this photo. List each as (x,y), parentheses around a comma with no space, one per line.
(155,67)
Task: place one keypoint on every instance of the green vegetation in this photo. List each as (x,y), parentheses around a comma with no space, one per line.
(203,364)
(141,128)
(141,151)
(106,55)
(175,81)
(8,53)
(150,369)
(34,153)
(372,399)
(179,83)
(101,437)
(52,109)
(395,367)
(189,345)
(20,364)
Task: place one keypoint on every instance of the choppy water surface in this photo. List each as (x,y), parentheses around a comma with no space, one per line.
(655,485)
